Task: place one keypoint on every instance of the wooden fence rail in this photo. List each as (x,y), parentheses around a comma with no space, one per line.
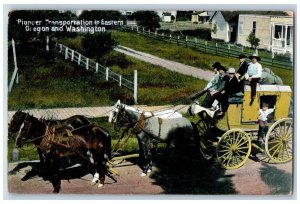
(209,47)
(89,64)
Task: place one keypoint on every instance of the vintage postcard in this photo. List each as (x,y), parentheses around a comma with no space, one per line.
(150,102)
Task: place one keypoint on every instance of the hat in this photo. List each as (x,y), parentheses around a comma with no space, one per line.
(255,56)
(222,68)
(216,65)
(231,70)
(241,56)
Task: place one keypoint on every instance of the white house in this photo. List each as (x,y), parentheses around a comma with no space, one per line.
(274,31)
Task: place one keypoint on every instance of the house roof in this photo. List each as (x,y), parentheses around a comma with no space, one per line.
(233,15)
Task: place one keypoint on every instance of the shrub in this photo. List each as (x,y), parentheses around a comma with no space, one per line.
(118,59)
(254,41)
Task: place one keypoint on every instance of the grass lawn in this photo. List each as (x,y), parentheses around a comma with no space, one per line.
(59,83)
(185,55)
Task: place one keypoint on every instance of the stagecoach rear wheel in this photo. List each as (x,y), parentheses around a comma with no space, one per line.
(279,141)
(204,126)
(233,149)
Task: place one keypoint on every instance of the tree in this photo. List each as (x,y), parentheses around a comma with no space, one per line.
(98,45)
(147,19)
(254,41)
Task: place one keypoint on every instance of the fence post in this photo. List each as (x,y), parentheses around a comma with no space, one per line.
(256,51)
(216,48)
(205,45)
(228,49)
(15,73)
(149,32)
(97,67)
(177,39)
(137,29)
(79,58)
(170,36)
(163,35)
(155,32)
(131,27)
(47,43)
(60,48)
(66,53)
(242,48)
(143,29)
(87,64)
(186,38)
(120,80)
(72,57)
(106,74)
(135,86)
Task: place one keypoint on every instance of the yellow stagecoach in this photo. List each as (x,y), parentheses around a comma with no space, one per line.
(231,138)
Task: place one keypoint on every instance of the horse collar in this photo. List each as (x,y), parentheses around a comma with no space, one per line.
(140,124)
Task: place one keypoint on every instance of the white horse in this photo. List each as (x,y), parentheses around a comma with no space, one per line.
(165,126)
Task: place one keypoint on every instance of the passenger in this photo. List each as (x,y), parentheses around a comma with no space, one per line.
(253,75)
(231,87)
(212,84)
(263,117)
(243,68)
(219,86)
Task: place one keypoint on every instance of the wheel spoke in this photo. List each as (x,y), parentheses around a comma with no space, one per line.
(225,147)
(276,150)
(240,140)
(287,153)
(228,159)
(224,155)
(242,152)
(237,138)
(274,146)
(242,143)
(244,147)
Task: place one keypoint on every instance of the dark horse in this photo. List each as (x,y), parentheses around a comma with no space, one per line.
(91,143)
(74,122)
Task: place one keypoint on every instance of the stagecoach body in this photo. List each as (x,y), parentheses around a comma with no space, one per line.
(231,138)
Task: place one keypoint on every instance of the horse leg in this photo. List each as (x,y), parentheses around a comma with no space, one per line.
(100,168)
(145,155)
(42,164)
(53,168)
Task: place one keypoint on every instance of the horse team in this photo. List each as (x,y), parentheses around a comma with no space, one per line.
(77,136)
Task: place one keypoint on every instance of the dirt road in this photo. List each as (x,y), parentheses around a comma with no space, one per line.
(179,176)
(168,64)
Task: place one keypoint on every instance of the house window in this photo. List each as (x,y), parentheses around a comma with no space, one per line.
(241,27)
(254,27)
(278,31)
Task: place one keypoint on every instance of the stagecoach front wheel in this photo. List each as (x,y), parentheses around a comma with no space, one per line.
(279,141)
(233,149)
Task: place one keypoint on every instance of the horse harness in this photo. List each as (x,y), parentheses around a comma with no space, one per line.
(140,125)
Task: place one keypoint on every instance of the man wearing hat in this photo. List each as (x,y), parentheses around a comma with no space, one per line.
(231,87)
(214,80)
(253,74)
(212,84)
(218,88)
(243,67)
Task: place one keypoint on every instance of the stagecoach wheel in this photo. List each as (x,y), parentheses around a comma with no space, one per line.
(233,149)
(204,126)
(279,141)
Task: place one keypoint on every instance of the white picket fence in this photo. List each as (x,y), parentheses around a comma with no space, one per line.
(90,64)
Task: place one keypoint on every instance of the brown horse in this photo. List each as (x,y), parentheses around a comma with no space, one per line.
(91,143)
(75,121)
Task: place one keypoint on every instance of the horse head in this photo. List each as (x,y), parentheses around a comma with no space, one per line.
(16,121)
(118,116)
(23,132)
